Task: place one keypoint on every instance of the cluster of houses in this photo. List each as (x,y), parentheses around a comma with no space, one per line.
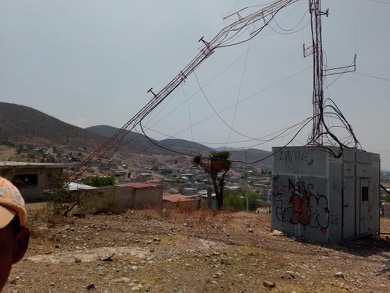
(145,187)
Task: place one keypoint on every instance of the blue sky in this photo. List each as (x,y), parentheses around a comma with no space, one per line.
(91,62)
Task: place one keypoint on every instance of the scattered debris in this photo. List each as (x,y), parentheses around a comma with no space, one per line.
(385,269)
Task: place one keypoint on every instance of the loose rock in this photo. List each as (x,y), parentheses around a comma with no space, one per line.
(269,284)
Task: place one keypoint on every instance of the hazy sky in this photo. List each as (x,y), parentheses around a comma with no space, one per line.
(91,62)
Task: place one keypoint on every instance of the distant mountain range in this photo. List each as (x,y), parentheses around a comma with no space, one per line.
(140,143)
(179,146)
(25,125)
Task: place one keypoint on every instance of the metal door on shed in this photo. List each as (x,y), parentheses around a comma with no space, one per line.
(364,204)
(349,209)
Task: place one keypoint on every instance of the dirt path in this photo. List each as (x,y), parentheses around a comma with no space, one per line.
(145,251)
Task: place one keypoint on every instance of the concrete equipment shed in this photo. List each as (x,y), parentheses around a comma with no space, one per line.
(321,197)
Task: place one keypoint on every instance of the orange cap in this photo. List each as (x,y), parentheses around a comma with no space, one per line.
(11,203)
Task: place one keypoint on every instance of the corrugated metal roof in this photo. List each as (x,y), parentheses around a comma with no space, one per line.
(78,186)
(4,164)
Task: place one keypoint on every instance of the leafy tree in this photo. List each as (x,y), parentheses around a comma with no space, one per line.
(217,163)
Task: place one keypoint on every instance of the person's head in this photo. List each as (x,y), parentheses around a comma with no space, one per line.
(14,236)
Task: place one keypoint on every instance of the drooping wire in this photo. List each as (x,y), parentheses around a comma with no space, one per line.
(331,137)
(260,140)
(344,121)
(243,55)
(238,94)
(160,145)
(189,113)
(249,138)
(373,76)
(293,29)
(215,111)
(303,124)
(379,1)
(283,133)
(283,147)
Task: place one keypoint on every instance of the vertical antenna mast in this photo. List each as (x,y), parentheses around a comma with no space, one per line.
(318,132)
(318,70)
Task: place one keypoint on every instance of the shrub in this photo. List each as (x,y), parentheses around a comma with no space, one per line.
(233,201)
(231,198)
(100,181)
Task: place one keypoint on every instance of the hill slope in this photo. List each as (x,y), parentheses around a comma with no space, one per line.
(24,125)
(140,143)
(21,124)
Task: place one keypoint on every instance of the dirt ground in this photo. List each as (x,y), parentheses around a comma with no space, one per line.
(201,251)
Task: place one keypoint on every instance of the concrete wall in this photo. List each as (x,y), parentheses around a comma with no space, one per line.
(135,195)
(147,197)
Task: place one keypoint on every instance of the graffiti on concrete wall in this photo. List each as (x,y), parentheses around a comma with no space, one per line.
(296,202)
(295,157)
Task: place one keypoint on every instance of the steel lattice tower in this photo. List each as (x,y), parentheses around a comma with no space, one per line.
(318,71)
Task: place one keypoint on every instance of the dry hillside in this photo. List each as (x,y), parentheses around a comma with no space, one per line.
(21,124)
(29,135)
(25,126)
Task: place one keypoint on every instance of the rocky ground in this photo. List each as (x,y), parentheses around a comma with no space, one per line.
(202,251)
